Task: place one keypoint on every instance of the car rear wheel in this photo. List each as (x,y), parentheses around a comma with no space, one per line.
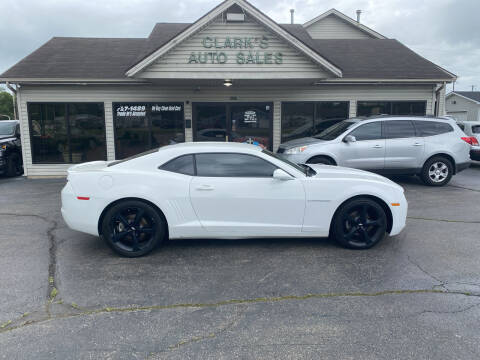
(321,160)
(14,165)
(360,224)
(133,228)
(437,171)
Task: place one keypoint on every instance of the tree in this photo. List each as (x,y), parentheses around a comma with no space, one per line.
(6,105)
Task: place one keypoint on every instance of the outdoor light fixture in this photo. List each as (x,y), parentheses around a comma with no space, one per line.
(228,83)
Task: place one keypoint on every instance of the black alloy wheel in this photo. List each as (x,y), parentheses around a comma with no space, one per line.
(133,228)
(360,224)
(14,165)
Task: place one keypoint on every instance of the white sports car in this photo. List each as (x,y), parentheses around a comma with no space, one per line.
(227,190)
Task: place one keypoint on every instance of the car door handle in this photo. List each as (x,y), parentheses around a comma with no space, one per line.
(417,144)
(377,146)
(204,188)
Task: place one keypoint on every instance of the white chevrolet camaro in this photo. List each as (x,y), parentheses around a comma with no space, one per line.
(228,191)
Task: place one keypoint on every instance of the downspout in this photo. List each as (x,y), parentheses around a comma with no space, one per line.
(14,91)
(437,99)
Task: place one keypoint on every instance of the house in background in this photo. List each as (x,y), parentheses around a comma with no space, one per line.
(463,105)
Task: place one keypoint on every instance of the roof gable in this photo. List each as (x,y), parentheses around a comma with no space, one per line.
(473,96)
(335,24)
(257,15)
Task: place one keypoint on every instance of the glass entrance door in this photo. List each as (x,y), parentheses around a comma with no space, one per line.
(235,122)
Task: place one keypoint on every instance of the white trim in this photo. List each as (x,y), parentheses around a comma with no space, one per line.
(258,15)
(376,81)
(462,96)
(348,20)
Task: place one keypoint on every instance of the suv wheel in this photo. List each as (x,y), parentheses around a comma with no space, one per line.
(321,160)
(14,165)
(437,171)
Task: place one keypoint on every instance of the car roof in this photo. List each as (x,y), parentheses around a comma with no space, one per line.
(403,117)
(211,146)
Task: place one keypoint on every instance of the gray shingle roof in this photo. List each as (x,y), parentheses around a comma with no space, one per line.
(110,58)
(474,95)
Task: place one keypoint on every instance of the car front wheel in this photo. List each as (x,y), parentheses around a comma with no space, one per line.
(437,171)
(360,224)
(133,228)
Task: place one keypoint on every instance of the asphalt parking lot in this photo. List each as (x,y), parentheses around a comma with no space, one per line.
(65,295)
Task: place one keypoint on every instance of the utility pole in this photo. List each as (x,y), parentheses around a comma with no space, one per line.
(473,88)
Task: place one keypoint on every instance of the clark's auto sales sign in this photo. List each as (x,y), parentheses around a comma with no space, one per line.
(249,50)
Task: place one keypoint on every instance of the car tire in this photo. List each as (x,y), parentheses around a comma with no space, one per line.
(321,160)
(437,171)
(360,224)
(14,165)
(133,228)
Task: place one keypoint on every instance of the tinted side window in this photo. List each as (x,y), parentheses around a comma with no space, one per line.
(181,165)
(430,128)
(399,129)
(233,165)
(371,131)
(476,129)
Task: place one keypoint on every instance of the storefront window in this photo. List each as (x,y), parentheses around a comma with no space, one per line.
(301,119)
(371,108)
(67,133)
(143,126)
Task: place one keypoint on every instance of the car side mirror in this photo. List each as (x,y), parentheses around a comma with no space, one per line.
(350,139)
(282,175)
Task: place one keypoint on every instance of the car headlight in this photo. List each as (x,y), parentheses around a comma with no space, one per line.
(296,150)
(3,147)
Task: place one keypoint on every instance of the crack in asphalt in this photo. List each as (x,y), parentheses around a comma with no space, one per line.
(443,220)
(464,188)
(16,324)
(441,283)
(449,312)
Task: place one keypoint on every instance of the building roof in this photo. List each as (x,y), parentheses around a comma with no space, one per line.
(106,59)
(472,95)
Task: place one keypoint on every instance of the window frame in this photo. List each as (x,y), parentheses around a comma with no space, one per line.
(161,167)
(391,104)
(314,113)
(117,103)
(67,126)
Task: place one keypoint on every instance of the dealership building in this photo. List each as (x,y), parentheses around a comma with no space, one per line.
(233,75)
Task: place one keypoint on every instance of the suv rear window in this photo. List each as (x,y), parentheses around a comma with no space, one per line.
(476,129)
(431,128)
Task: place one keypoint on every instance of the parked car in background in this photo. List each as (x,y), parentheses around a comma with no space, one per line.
(227,190)
(472,130)
(433,148)
(11,163)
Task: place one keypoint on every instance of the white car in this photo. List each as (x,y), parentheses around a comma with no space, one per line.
(228,191)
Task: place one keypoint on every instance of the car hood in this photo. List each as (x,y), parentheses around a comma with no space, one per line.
(6,138)
(327,171)
(300,142)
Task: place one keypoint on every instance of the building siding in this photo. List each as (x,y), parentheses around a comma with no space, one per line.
(463,105)
(175,64)
(331,27)
(150,93)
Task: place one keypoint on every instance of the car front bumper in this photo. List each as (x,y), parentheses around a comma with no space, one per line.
(300,158)
(399,215)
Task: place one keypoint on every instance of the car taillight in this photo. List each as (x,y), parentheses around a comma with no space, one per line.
(472,140)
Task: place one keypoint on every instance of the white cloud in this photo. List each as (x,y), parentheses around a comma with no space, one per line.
(444,31)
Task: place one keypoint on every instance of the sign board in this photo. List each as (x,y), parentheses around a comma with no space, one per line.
(249,50)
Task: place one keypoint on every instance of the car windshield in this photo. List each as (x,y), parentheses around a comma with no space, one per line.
(335,131)
(133,157)
(7,128)
(305,169)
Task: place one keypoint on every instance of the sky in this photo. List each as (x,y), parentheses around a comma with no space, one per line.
(444,31)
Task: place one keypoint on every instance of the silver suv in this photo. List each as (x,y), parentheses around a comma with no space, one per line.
(434,148)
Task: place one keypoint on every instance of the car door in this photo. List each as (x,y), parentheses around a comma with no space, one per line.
(235,194)
(404,150)
(367,151)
